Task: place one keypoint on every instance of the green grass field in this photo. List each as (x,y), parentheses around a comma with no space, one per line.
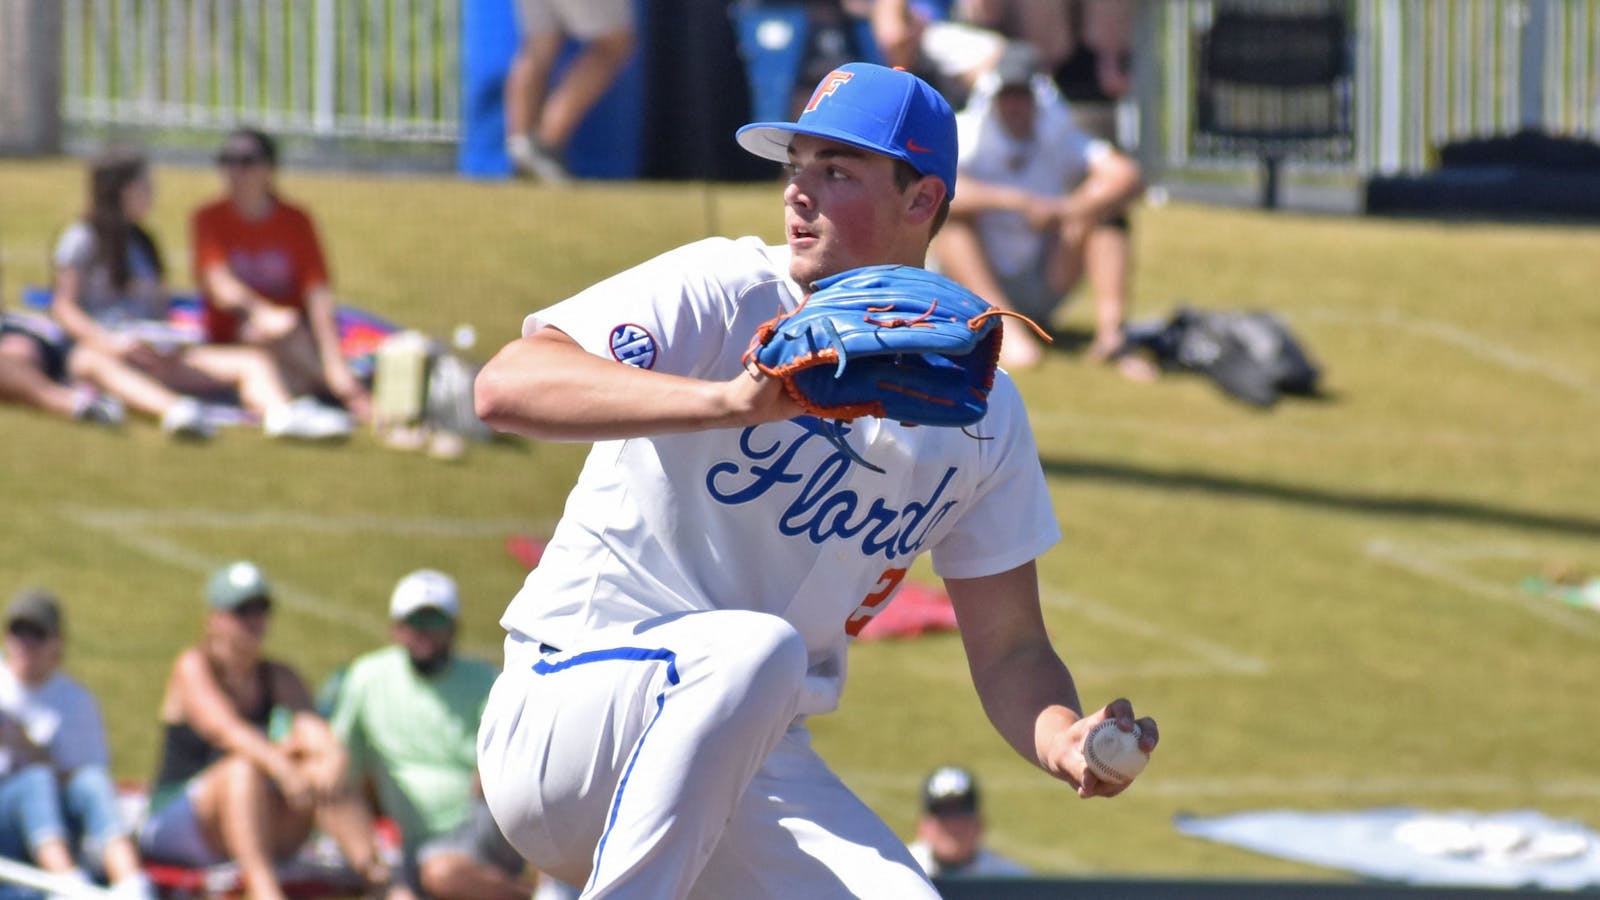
(1320,604)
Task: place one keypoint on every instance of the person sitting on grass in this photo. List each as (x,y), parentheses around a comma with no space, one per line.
(408,713)
(109,296)
(33,372)
(247,768)
(52,719)
(263,276)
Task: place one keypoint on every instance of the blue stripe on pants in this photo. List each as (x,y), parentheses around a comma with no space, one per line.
(635,654)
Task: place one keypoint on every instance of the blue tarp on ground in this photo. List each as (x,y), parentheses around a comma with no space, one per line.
(1517,848)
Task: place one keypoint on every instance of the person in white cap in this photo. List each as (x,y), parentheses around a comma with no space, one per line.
(408,713)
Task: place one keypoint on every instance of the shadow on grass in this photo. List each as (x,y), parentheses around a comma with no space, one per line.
(1347,501)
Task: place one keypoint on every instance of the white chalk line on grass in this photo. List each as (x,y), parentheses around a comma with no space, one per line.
(1421,562)
(132,528)
(1496,349)
(1213,657)
(1204,657)
(1394,787)
(301,522)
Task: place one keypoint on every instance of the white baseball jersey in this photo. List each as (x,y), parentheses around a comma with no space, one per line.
(1051,163)
(771,518)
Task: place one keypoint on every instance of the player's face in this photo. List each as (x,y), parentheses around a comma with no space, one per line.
(842,209)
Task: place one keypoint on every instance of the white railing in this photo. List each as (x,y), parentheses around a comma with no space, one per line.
(380,69)
(1423,73)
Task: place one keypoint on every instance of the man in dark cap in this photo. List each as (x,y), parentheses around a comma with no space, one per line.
(950,833)
(47,717)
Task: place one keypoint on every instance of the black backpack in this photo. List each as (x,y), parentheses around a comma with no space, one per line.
(1251,355)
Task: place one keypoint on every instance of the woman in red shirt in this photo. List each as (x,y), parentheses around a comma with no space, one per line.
(263,278)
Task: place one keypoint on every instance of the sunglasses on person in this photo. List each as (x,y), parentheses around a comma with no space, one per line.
(429,619)
(28,632)
(241,160)
(257,607)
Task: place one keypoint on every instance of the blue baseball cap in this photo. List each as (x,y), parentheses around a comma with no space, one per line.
(887,111)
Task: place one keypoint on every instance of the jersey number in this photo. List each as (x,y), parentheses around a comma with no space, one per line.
(873,603)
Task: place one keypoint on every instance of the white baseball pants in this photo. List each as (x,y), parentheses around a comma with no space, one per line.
(664,761)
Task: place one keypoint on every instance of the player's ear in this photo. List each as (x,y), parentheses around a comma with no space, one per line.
(924,198)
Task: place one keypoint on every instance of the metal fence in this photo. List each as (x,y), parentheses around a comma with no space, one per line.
(369,69)
(1423,73)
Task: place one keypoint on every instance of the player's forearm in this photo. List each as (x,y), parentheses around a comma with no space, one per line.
(547,387)
(1031,698)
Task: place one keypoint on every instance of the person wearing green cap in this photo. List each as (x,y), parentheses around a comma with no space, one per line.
(247,768)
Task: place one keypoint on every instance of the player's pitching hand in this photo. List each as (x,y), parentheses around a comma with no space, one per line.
(1073,765)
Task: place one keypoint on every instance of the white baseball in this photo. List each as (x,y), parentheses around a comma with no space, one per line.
(1114,754)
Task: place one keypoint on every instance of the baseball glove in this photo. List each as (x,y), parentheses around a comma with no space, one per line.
(896,342)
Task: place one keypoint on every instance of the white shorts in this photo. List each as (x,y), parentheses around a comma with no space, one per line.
(959,50)
(582,19)
(668,760)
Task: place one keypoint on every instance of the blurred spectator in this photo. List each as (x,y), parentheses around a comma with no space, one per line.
(541,117)
(50,728)
(1042,204)
(949,840)
(33,372)
(937,42)
(247,769)
(409,715)
(1099,70)
(109,297)
(263,278)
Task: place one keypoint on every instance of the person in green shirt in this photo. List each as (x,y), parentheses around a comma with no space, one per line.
(408,714)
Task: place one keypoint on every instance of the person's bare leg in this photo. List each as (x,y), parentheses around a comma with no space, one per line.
(238,813)
(531,69)
(959,251)
(584,83)
(347,820)
(1108,267)
(22,382)
(139,390)
(457,876)
(121,860)
(55,856)
(251,370)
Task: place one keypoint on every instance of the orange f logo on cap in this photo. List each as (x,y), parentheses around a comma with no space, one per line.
(832,83)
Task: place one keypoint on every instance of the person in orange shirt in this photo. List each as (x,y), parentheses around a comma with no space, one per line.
(263,278)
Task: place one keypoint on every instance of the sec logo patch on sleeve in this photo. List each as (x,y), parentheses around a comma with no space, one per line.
(633,345)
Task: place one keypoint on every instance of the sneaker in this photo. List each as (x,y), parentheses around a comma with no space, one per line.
(134,887)
(307,420)
(532,158)
(95,408)
(186,420)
